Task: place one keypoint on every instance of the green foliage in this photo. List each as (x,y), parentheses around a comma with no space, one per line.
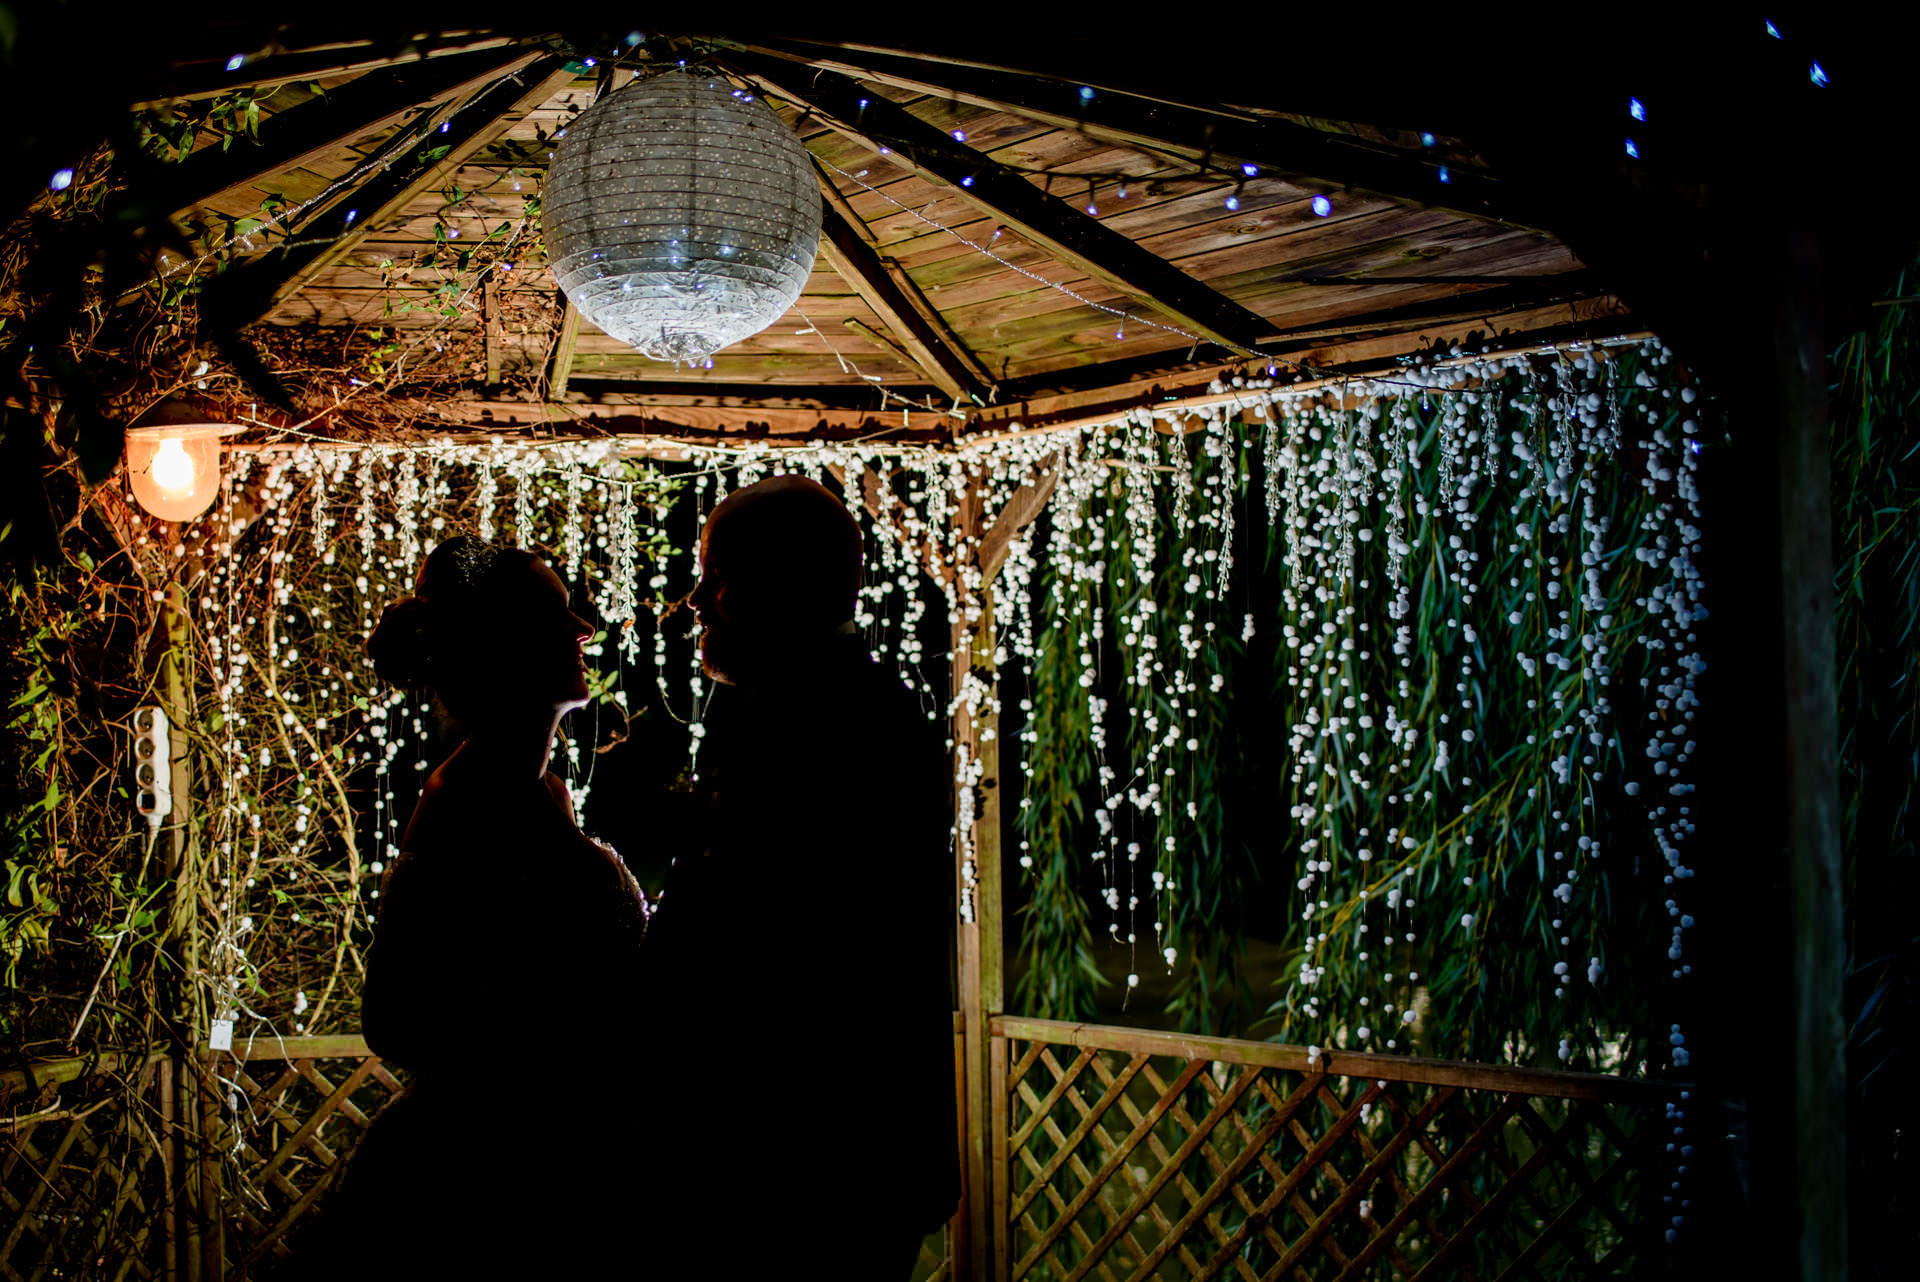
(1061,973)
(1876,517)
(78,890)
(1439,762)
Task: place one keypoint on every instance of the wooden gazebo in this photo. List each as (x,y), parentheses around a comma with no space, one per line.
(1010,242)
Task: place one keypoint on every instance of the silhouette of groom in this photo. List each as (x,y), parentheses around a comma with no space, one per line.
(798,1004)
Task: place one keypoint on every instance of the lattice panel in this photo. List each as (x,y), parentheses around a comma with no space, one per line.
(1131,1165)
(83,1179)
(935,1262)
(299,1120)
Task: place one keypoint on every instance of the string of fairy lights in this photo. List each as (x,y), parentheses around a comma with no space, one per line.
(1155,495)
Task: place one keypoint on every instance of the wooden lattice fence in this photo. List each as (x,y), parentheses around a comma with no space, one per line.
(194,1167)
(1117,1154)
(87,1172)
(198,1168)
(1130,1155)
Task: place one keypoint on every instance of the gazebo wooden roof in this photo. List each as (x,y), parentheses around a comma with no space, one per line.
(1000,247)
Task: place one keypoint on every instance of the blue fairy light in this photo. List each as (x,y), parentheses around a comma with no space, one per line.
(61,180)
(236,62)
(1636,109)
(1322,206)
(591,63)
(1233,202)
(967,181)
(1632,150)
(1426,139)
(1086,93)
(1773,30)
(1093,209)
(863,104)
(1250,170)
(1819,75)
(1445,177)
(959,135)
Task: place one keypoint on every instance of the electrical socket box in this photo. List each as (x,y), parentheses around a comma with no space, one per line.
(152,764)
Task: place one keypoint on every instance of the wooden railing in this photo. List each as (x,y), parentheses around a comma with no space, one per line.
(1121,1154)
(1116,1154)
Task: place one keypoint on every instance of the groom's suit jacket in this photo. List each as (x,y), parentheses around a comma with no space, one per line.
(797,982)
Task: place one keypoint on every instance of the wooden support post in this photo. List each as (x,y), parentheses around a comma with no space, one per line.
(978,891)
(170,1228)
(192,1197)
(562,366)
(492,327)
(1815,878)
(174,702)
(212,1226)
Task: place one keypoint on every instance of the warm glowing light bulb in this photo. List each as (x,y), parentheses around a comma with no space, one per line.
(172,468)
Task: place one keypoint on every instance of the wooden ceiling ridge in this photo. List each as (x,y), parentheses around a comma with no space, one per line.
(1272,144)
(248,293)
(1071,236)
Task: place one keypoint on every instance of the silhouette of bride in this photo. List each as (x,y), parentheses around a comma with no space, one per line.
(503,957)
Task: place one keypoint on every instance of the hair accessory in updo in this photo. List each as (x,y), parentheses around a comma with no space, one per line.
(468,560)
(414,630)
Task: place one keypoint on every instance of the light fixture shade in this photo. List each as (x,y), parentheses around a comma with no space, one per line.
(175,469)
(681,215)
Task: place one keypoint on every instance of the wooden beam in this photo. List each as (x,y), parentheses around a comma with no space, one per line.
(1190,385)
(879,339)
(246,294)
(1076,239)
(491,335)
(672,426)
(324,126)
(562,366)
(1020,511)
(208,79)
(937,323)
(1226,138)
(850,255)
(587,396)
(1538,1082)
(910,291)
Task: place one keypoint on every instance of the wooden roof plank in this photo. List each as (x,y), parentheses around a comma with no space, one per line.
(1340,161)
(1008,195)
(853,258)
(239,71)
(320,127)
(243,296)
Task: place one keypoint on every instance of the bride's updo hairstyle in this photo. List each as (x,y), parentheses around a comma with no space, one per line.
(446,635)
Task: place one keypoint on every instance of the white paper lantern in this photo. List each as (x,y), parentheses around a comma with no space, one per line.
(682,215)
